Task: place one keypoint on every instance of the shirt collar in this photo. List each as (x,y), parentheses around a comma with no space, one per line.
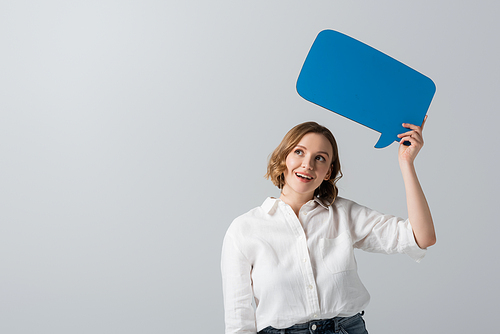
(270,204)
(320,202)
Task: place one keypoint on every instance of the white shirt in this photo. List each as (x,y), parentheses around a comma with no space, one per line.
(303,269)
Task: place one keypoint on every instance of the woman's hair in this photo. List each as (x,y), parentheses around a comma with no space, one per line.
(276,167)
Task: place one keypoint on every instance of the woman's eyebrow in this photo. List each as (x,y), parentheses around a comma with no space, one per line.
(320,152)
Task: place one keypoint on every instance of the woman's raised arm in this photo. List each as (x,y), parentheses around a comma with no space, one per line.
(419,213)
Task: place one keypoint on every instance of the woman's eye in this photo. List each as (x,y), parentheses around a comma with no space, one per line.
(299,152)
(320,158)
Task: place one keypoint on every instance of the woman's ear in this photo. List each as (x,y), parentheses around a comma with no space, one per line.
(327,176)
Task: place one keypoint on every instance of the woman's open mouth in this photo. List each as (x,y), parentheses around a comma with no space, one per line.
(304,177)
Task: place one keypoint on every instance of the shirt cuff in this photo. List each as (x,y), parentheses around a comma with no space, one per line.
(411,247)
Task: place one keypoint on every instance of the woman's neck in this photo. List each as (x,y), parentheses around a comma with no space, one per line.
(295,200)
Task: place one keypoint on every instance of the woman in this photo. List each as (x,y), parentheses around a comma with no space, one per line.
(293,256)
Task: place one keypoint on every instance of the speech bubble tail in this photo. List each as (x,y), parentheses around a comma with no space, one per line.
(384,141)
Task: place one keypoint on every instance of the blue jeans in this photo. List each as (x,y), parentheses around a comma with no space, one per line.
(337,325)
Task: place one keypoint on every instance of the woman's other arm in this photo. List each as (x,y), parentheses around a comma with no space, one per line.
(237,289)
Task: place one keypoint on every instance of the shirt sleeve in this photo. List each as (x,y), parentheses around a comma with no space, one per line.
(237,289)
(373,231)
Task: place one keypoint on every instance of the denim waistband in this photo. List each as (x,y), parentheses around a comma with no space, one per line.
(334,324)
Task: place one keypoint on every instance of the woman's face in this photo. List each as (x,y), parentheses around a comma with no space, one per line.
(308,164)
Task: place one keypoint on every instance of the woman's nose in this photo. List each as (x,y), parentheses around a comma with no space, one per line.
(307,163)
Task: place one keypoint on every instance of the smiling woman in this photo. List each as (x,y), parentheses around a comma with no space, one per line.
(322,146)
(307,167)
(294,256)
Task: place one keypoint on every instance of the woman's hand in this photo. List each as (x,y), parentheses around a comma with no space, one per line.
(407,154)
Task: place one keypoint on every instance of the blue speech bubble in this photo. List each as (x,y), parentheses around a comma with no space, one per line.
(365,85)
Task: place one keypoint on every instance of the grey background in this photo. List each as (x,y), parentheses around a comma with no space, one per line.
(133,132)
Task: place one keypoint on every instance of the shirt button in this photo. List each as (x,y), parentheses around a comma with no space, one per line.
(310,286)
(315,316)
(313,327)
(304,260)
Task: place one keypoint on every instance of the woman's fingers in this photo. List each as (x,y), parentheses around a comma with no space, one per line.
(412,139)
(414,127)
(406,134)
(414,134)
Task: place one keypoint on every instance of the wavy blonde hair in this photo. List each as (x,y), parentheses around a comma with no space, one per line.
(327,191)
